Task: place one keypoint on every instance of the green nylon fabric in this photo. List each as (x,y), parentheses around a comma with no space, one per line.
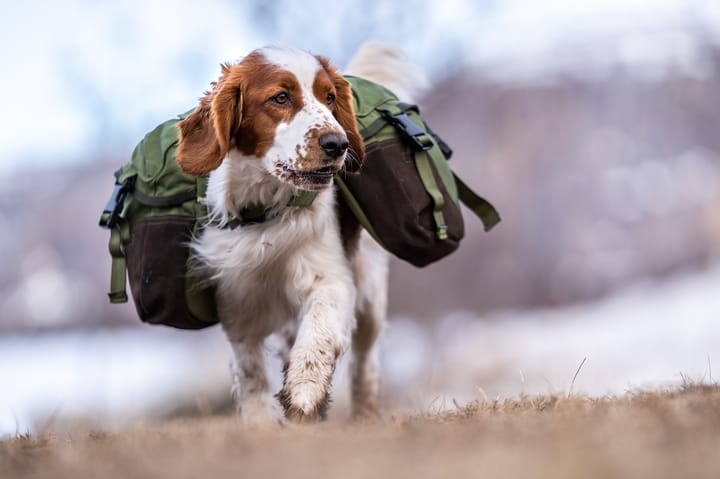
(478,205)
(303,198)
(118,291)
(158,175)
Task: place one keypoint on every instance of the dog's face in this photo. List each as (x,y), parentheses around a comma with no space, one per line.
(290,110)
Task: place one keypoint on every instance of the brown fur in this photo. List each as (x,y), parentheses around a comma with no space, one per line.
(236,113)
(345,115)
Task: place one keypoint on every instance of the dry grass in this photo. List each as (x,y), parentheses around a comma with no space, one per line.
(648,434)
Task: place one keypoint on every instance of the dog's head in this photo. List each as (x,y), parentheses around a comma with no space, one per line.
(290,110)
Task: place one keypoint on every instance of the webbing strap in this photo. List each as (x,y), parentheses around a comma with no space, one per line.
(259,213)
(422,162)
(303,198)
(118,235)
(477,204)
(373,128)
(249,215)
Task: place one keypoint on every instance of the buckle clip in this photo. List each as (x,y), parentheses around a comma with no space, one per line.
(414,135)
(113,209)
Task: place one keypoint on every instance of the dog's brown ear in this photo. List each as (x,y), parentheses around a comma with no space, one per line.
(206,134)
(345,115)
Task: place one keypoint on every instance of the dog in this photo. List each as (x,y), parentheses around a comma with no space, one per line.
(278,122)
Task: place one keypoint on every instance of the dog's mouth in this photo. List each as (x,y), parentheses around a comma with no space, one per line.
(310,179)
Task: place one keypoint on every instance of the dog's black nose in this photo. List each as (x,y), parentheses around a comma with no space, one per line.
(334,144)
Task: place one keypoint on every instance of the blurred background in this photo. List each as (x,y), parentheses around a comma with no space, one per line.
(593,126)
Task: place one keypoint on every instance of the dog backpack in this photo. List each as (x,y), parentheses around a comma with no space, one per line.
(152,215)
(406,196)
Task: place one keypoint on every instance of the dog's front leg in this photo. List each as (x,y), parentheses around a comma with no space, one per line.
(251,389)
(324,334)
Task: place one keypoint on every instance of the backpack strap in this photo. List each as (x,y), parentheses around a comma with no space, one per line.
(112,219)
(119,234)
(422,162)
(477,204)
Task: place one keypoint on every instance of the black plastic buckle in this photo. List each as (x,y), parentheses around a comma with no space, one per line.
(113,208)
(410,131)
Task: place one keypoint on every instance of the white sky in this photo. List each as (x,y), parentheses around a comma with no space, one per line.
(83,78)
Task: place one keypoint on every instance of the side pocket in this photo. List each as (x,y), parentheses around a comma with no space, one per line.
(395,201)
(157,255)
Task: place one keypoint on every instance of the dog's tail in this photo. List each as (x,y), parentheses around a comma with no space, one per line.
(388,66)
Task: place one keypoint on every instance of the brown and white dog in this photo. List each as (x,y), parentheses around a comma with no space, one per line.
(278,121)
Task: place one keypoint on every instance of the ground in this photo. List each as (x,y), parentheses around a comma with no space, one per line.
(673,434)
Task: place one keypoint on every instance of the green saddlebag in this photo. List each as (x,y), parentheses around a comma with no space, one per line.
(406,195)
(152,216)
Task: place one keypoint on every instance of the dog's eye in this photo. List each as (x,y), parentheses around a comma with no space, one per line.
(280,98)
(330,99)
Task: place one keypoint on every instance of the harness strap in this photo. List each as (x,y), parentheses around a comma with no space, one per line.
(303,198)
(259,214)
(249,215)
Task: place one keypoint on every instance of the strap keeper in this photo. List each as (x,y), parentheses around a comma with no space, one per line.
(118,297)
(442,232)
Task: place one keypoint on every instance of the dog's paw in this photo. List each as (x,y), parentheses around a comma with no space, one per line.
(305,403)
(305,395)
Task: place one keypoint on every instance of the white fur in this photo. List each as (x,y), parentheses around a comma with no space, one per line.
(301,63)
(288,136)
(290,275)
(287,274)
